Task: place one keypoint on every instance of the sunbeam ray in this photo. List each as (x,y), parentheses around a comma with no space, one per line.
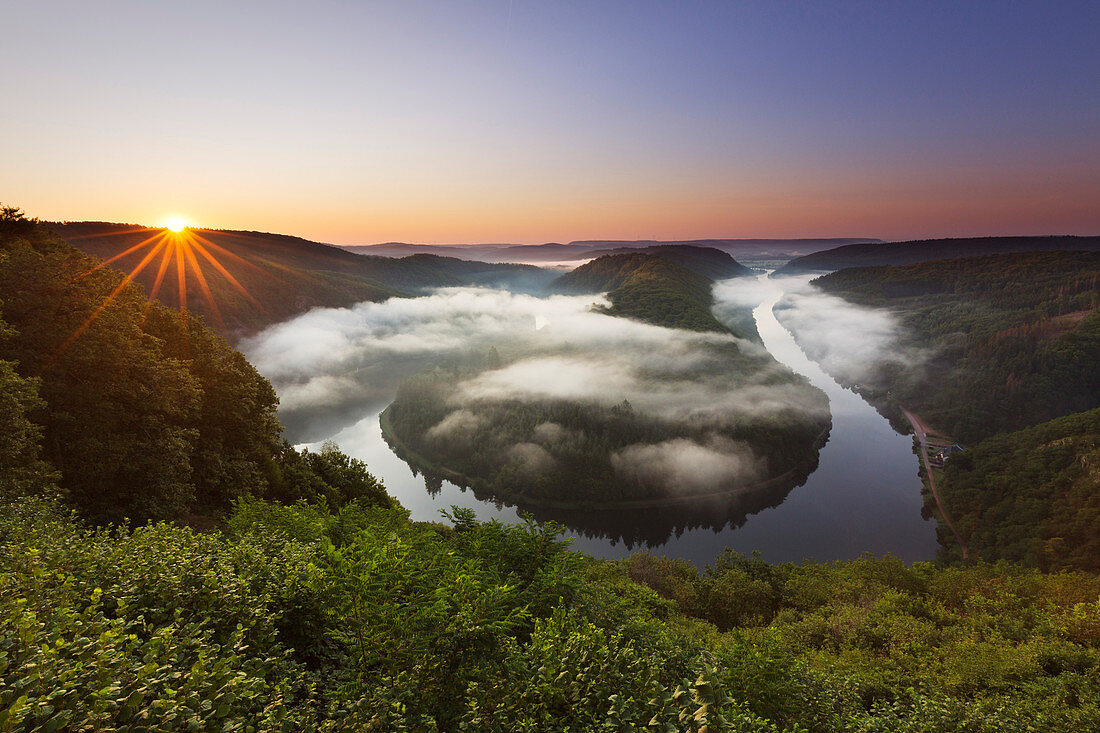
(126,280)
(139,245)
(203,286)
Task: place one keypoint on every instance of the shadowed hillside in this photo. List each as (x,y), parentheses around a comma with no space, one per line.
(926,250)
(260,278)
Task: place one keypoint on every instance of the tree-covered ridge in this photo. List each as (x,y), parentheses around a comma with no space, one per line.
(145,412)
(926,250)
(708,261)
(1012,340)
(654,288)
(299,618)
(1031,496)
(281,276)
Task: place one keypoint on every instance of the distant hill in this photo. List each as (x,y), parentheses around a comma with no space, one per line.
(588,249)
(279,276)
(667,288)
(756,247)
(927,250)
(712,263)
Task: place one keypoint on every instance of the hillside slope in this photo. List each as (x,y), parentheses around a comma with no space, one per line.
(145,413)
(260,278)
(926,250)
(1009,340)
(1031,496)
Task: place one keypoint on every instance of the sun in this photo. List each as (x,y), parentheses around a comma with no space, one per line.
(175,224)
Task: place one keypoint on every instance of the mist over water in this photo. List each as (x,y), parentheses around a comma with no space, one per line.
(335,369)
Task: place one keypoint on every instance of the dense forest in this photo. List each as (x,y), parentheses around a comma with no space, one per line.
(567,453)
(660,287)
(1011,340)
(1011,344)
(1031,496)
(927,250)
(543,452)
(309,601)
(257,279)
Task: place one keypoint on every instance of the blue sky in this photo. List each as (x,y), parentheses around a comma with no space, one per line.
(359,122)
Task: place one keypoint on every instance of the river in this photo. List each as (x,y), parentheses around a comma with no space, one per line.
(864,495)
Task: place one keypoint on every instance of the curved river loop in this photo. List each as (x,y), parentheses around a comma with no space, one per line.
(863,497)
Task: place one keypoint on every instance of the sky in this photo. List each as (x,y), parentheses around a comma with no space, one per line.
(357,122)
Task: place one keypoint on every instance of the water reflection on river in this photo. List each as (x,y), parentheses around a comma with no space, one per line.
(864,495)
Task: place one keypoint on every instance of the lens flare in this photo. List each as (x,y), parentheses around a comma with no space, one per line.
(187,250)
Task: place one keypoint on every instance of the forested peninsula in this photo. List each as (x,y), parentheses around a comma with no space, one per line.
(237,584)
(540,450)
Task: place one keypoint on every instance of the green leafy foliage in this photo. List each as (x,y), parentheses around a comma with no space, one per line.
(874,645)
(338,613)
(22,471)
(304,618)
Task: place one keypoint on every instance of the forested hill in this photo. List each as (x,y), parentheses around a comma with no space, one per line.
(926,250)
(1006,341)
(663,288)
(713,263)
(1030,496)
(587,249)
(260,278)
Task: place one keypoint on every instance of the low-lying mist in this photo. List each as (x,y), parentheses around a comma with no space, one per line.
(330,366)
(851,342)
